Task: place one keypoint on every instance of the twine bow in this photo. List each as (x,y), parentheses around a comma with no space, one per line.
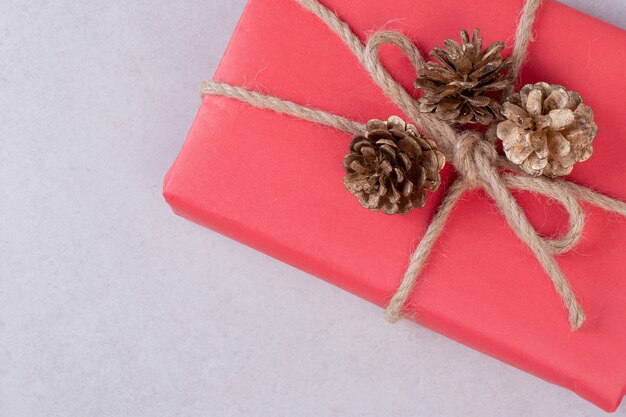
(473,155)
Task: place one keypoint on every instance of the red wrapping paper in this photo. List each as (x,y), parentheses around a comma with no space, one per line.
(274,183)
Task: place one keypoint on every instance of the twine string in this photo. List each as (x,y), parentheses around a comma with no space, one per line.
(474,157)
(523,35)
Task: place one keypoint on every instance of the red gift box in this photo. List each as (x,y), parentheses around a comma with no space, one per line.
(276,183)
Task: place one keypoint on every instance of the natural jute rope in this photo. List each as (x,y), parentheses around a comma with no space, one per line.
(473,156)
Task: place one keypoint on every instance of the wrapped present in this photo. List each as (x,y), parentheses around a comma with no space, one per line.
(276,183)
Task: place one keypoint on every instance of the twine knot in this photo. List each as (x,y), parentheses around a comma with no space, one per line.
(472,155)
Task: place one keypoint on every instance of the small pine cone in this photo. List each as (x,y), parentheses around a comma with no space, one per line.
(456,86)
(547,129)
(392,166)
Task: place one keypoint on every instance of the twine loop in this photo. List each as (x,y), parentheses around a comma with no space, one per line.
(472,154)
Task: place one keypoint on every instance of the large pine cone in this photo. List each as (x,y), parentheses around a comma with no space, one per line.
(392,167)
(456,87)
(547,129)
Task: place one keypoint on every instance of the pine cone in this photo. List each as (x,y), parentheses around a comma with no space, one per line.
(547,129)
(456,86)
(392,167)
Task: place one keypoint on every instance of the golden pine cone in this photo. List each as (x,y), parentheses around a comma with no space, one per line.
(392,166)
(547,129)
(456,86)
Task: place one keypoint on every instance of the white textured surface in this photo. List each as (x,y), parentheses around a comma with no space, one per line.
(112,306)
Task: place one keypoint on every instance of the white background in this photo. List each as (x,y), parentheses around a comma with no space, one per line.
(112,306)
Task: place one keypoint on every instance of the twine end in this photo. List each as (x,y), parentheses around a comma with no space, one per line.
(576,318)
(392,315)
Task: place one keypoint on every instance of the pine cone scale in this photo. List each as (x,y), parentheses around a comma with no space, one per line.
(480,101)
(448,110)
(495,86)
